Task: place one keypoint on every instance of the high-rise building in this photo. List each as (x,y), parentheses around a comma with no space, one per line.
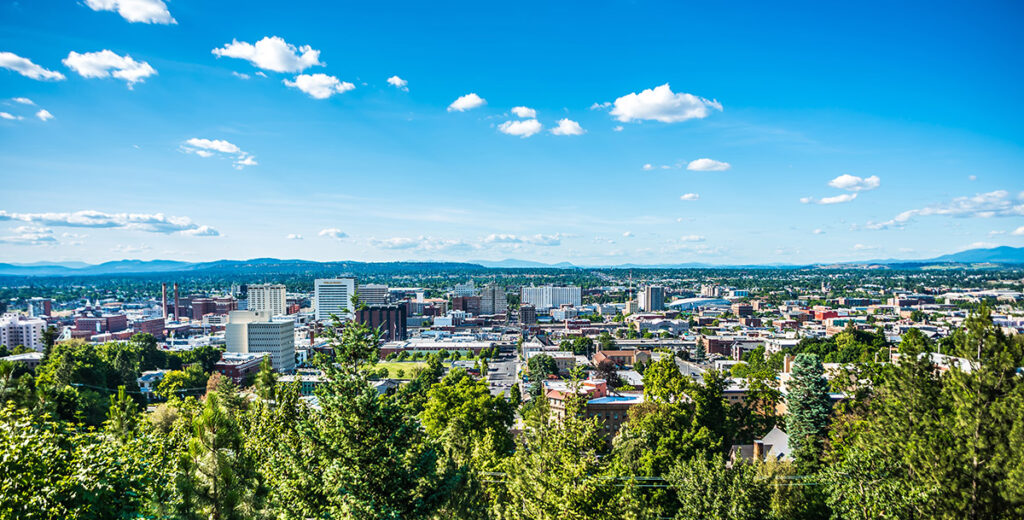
(390,319)
(493,300)
(16,329)
(38,307)
(373,294)
(467,304)
(249,332)
(464,289)
(333,296)
(268,298)
(527,314)
(652,298)
(547,296)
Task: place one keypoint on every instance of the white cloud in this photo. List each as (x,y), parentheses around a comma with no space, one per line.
(648,167)
(522,129)
(618,128)
(201,231)
(398,83)
(862,247)
(145,11)
(320,86)
(661,104)
(151,223)
(524,112)
(601,106)
(23,100)
(25,67)
(692,238)
(241,75)
(396,243)
(9,116)
(999,203)
(838,199)
(981,245)
(689,196)
(537,240)
(105,64)
(708,165)
(818,232)
(44,115)
(334,233)
(627,234)
(211,147)
(30,236)
(972,177)
(127,249)
(294,236)
(1019,231)
(272,53)
(467,102)
(853,183)
(568,127)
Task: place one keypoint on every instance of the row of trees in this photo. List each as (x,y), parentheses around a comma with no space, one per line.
(909,441)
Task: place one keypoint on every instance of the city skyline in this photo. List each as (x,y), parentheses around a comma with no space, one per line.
(593,134)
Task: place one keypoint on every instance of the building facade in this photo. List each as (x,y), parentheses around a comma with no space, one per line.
(493,300)
(268,298)
(16,329)
(390,319)
(652,298)
(373,294)
(547,296)
(333,296)
(249,332)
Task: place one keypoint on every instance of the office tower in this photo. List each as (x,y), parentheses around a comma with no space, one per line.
(333,296)
(652,298)
(546,297)
(38,307)
(467,304)
(267,298)
(464,289)
(390,319)
(527,314)
(493,300)
(373,294)
(249,332)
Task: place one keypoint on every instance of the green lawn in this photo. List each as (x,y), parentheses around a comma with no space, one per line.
(409,368)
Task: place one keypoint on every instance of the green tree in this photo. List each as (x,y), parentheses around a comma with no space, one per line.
(808,407)
(266,380)
(706,488)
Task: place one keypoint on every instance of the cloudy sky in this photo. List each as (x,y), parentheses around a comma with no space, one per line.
(590,132)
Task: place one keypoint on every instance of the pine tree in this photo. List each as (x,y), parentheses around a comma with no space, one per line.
(808,408)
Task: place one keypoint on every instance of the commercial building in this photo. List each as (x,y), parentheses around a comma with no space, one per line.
(464,289)
(373,294)
(467,304)
(333,296)
(16,329)
(38,307)
(238,366)
(152,326)
(249,332)
(527,315)
(493,300)
(390,319)
(547,296)
(652,298)
(267,298)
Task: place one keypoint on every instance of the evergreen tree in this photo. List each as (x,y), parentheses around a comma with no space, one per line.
(266,380)
(808,408)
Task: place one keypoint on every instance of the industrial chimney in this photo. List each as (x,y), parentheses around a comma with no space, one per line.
(176,303)
(163,298)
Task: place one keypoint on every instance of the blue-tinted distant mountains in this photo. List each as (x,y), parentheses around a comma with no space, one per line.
(1003,255)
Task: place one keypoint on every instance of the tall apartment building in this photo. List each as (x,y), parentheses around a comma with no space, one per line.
(16,329)
(268,298)
(333,296)
(547,296)
(390,319)
(373,294)
(38,307)
(527,314)
(249,332)
(464,289)
(652,298)
(493,300)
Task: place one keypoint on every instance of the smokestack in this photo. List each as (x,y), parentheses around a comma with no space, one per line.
(176,308)
(163,298)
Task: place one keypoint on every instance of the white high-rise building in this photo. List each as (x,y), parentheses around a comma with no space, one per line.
(333,296)
(16,329)
(652,298)
(546,297)
(373,294)
(268,298)
(464,289)
(249,332)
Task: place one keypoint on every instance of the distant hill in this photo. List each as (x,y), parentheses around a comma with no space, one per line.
(995,255)
(511,263)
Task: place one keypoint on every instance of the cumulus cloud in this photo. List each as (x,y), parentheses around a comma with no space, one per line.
(424,244)
(568,127)
(320,86)
(708,165)
(648,167)
(240,75)
(524,112)
(862,247)
(661,104)
(818,232)
(23,101)
(105,64)
(151,223)
(1019,231)
(689,196)
(838,199)
(272,53)
(219,147)
(29,236)
(25,67)
(999,203)
(601,106)
(334,233)
(692,238)
(853,183)
(294,236)
(524,128)
(145,11)
(9,116)
(537,240)
(467,102)
(398,83)
(618,128)
(44,115)
(396,243)
(628,234)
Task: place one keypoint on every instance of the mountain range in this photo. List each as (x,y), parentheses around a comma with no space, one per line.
(1003,255)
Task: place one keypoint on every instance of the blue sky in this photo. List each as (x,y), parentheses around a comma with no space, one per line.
(787,132)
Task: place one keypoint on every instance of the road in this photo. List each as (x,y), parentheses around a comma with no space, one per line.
(502,374)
